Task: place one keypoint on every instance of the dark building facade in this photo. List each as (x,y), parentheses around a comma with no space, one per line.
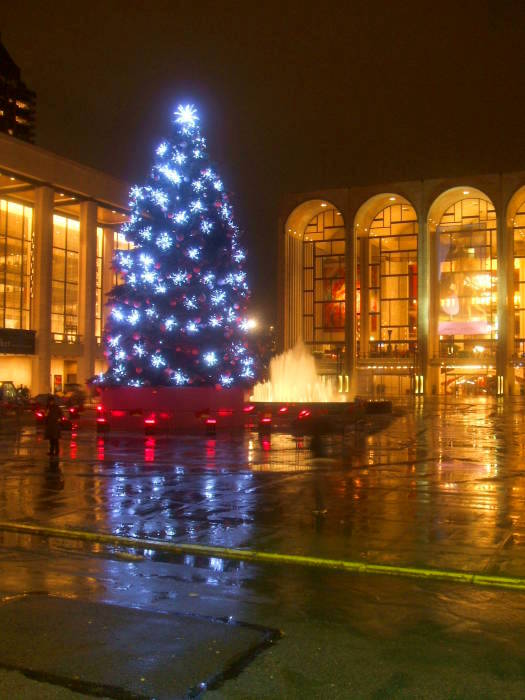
(17,101)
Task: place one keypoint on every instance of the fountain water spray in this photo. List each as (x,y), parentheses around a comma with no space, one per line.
(294,379)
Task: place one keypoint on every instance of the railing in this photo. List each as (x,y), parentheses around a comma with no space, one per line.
(519,348)
(395,349)
(69,338)
(467,349)
(329,360)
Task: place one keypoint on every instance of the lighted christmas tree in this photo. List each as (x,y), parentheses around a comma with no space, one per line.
(179,318)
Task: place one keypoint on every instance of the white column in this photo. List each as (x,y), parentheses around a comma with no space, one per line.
(87,289)
(43,261)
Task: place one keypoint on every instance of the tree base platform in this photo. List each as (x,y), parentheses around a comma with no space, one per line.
(170,409)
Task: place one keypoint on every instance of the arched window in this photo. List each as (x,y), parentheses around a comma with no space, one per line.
(467,279)
(390,255)
(519,280)
(324,282)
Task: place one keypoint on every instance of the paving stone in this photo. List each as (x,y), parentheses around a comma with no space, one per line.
(93,647)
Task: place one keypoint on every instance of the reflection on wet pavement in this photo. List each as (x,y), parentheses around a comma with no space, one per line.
(440,485)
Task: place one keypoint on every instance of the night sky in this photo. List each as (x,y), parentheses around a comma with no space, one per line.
(293,95)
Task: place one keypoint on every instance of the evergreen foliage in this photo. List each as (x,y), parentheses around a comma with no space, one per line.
(179,316)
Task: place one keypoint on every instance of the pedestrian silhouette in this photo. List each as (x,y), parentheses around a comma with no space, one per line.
(53,425)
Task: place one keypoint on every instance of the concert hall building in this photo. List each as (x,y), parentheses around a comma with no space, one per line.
(410,287)
(59,225)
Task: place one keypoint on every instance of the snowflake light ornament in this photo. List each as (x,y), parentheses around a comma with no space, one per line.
(158,361)
(186,115)
(164,241)
(210,358)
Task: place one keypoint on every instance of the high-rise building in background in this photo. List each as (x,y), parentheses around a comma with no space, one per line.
(17,101)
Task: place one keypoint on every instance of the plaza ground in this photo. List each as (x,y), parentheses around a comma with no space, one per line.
(441,485)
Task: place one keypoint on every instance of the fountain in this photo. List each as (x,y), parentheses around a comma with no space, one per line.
(296,398)
(294,379)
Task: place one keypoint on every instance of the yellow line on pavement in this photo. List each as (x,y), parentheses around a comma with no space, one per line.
(267,557)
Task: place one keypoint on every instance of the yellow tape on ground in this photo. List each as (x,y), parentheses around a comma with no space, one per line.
(267,557)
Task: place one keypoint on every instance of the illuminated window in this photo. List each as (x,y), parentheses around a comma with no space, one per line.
(64,294)
(467,269)
(391,283)
(324,281)
(99,284)
(119,243)
(16,264)
(519,280)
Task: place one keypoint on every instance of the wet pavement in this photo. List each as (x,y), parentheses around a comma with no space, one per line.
(440,485)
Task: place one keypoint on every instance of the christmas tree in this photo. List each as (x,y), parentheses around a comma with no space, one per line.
(179,317)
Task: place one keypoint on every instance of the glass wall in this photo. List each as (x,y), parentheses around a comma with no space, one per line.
(467,279)
(99,284)
(65,279)
(519,281)
(324,284)
(392,283)
(16,265)
(519,296)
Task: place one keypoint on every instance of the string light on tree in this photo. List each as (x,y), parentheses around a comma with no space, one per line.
(179,318)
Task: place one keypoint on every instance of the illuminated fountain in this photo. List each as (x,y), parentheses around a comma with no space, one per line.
(294,379)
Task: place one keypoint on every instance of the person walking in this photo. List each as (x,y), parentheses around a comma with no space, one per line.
(53,424)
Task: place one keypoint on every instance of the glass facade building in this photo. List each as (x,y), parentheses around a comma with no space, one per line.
(417,288)
(56,248)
